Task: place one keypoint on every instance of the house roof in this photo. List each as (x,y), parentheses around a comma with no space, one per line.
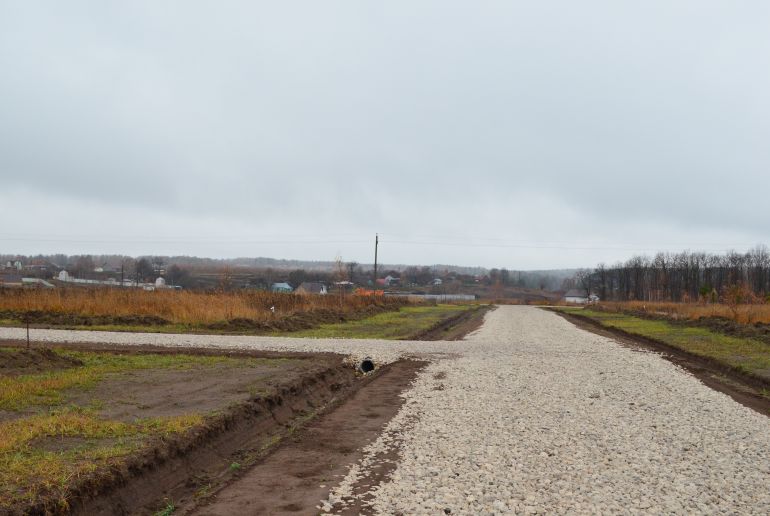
(312,287)
(574,292)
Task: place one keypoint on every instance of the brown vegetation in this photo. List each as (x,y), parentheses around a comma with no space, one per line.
(738,312)
(175,307)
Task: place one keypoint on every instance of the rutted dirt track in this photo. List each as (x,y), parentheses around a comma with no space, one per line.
(532,414)
(295,478)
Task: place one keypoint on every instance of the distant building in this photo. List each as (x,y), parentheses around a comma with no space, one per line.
(64,276)
(345,285)
(438,282)
(281,287)
(580,297)
(391,280)
(312,287)
(160,283)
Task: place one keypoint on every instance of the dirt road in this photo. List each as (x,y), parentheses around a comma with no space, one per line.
(531,414)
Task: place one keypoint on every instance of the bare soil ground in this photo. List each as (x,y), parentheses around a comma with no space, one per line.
(296,477)
(746,390)
(14,362)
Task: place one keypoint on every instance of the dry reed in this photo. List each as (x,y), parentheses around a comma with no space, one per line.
(743,314)
(179,307)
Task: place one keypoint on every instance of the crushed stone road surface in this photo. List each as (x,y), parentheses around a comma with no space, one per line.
(530,415)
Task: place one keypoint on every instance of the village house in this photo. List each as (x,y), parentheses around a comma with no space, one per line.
(312,287)
(580,297)
(281,287)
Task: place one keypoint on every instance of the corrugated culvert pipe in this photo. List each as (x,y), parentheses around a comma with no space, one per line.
(366,365)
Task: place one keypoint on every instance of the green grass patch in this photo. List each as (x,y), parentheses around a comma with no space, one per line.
(389,325)
(748,355)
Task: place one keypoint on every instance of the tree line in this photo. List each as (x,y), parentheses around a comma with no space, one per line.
(684,276)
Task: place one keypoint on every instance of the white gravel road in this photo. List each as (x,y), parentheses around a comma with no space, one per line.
(533,415)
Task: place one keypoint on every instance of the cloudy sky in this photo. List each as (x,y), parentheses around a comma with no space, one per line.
(521,134)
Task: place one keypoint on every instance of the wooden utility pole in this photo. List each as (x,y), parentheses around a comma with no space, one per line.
(376,243)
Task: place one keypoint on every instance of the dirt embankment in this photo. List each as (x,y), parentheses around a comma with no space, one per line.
(743,387)
(14,362)
(456,326)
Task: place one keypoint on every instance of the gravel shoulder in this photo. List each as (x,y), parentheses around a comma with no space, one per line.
(531,414)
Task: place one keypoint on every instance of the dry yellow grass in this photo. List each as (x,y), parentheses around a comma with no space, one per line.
(175,306)
(744,314)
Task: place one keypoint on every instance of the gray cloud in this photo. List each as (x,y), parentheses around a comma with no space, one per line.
(590,124)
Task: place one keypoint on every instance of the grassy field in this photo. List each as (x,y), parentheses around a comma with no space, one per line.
(747,355)
(48,441)
(389,325)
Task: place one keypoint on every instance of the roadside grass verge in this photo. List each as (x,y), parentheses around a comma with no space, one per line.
(402,324)
(743,354)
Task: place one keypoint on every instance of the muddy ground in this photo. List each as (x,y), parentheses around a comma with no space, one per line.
(747,390)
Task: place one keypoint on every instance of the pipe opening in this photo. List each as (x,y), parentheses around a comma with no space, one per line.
(366,365)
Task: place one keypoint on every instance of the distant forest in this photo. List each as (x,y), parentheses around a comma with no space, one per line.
(685,276)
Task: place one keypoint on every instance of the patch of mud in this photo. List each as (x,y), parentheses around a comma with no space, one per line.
(14,362)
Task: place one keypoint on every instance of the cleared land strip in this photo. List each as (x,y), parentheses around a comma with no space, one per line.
(532,414)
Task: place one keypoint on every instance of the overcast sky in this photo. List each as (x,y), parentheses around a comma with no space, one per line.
(527,135)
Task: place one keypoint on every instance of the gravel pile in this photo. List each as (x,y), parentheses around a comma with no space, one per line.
(533,415)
